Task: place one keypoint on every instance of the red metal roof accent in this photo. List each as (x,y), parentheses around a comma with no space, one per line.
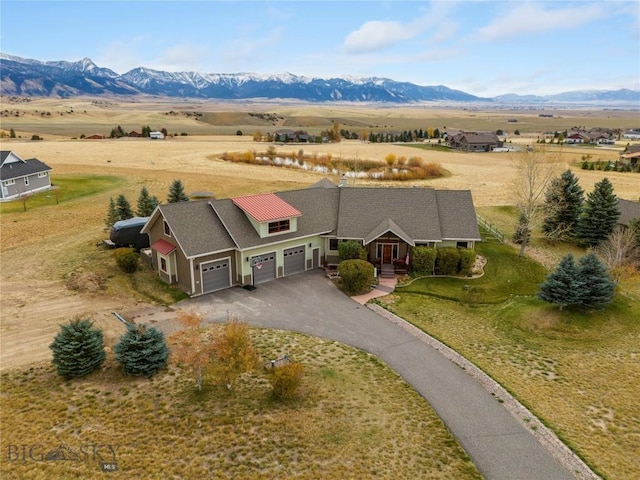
(163,247)
(266,207)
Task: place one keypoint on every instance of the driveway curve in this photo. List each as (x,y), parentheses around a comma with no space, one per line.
(500,446)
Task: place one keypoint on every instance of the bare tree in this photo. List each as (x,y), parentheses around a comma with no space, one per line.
(534,173)
(619,250)
(193,347)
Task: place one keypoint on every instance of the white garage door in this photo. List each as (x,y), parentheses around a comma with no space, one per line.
(264,268)
(294,260)
(215,275)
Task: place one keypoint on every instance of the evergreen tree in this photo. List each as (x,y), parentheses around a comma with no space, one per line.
(12,133)
(78,349)
(142,350)
(562,207)
(112,214)
(600,215)
(564,285)
(123,208)
(146,131)
(176,193)
(599,288)
(146,203)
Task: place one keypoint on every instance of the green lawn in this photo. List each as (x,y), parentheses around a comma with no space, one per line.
(579,372)
(67,187)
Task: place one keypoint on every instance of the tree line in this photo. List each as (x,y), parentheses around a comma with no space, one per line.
(120,208)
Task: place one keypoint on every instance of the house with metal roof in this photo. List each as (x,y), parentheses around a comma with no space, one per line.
(21,177)
(209,245)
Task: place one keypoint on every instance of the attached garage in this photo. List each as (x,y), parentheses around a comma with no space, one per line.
(294,260)
(215,275)
(264,268)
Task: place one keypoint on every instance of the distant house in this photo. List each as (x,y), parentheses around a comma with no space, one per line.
(474,142)
(135,134)
(633,134)
(95,137)
(156,135)
(629,210)
(631,156)
(19,177)
(209,245)
(291,136)
(577,138)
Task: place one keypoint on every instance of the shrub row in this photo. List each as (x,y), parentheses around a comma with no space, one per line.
(442,261)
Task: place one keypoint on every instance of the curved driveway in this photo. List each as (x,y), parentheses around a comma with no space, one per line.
(497,443)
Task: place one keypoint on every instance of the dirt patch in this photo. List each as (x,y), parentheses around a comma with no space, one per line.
(86,282)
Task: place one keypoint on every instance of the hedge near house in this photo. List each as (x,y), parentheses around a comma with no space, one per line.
(422,261)
(351,250)
(357,276)
(447,260)
(467,261)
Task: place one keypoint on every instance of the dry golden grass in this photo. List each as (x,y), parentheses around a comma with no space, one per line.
(353,417)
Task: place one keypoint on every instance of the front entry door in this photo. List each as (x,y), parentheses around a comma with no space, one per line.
(386,253)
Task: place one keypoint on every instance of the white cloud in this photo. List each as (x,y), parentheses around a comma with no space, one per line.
(248,51)
(376,35)
(181,57)
(526,18)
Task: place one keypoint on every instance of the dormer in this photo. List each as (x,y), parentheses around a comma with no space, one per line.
(9,157)
(269,214)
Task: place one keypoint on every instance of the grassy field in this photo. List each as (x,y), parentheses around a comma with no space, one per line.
(353,418)
(578,372)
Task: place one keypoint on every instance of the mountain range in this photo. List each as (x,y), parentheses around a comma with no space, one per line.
(27,77)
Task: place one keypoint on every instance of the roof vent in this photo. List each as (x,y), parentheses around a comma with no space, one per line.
(343,181)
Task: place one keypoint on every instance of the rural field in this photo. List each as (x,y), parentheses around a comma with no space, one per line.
(52,268)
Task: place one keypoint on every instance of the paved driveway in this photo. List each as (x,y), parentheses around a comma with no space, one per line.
(498,444)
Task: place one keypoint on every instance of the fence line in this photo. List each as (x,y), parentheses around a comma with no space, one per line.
(490,228)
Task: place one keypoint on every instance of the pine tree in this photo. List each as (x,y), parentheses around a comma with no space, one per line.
(599,288)
(112,214)
(142,350)
(600,215)
(564,285)
(78,349)
(562,207)
(12,133)
(176,193)
(123,208)
(146,203)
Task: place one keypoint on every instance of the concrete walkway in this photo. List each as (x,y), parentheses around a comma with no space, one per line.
(385,287)
(500,446)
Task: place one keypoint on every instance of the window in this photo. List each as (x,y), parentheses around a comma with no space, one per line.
(333,244)
(9,182)
(42,174)
(26,181)
(461,244)
(280,226)
(163,264)
(167,230)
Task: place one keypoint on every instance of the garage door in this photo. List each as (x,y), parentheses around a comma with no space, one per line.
(294,260)
(264,268)
(215,275)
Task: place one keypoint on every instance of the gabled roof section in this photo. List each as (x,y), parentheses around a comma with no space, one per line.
(318,209)
(457,215)
(628,211)
(267,207)
(387,225)
(162,246)
(324,183)
(195,226)
(413,210)
(12,168)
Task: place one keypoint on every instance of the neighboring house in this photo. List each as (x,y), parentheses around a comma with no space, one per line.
(209,245)
(577,138)
(631,156)
(135,134)
(156,135)
(628,211)
(633,134)
(95,137)
(19,177)
(474,142)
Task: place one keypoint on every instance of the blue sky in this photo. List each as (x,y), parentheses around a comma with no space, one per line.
(485,48)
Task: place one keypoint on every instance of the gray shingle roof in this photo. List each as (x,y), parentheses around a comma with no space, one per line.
(196,227)
(414,214)
(21,169)
(628,211)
